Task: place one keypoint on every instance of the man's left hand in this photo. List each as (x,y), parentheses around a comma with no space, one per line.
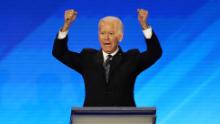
(142,17)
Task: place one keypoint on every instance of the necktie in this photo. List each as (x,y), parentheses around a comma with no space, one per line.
(107,65)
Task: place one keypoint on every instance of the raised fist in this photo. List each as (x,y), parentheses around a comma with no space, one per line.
(142,17)
(69,18)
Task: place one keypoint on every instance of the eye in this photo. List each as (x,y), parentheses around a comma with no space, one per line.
(102,33)
(111,33)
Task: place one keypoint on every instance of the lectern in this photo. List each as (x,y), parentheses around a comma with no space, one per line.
(113,115)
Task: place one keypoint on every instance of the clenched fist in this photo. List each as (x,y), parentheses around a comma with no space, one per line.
(142,17)
(69,18)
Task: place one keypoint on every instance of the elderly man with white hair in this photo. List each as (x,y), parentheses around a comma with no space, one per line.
(109,73)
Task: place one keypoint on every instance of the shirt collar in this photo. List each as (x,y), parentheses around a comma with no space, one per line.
(106,54)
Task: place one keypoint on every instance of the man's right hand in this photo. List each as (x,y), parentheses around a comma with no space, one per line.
(69,18)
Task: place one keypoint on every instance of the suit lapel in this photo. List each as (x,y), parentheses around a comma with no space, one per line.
(116,61)
(99,60)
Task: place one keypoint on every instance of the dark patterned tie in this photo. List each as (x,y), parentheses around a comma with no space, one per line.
(107,67)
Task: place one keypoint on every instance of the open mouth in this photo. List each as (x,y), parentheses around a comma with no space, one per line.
(107,44)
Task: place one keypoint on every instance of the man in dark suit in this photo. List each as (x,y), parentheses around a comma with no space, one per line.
(109,74)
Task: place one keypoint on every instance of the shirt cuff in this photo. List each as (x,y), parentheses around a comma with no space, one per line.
(62,35)
(148,33)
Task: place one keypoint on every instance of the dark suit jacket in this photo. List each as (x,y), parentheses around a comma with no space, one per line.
(125,67)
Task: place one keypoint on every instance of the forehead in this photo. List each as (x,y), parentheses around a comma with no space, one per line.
(108,24)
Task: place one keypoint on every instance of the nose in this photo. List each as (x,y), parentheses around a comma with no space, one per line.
(107,37)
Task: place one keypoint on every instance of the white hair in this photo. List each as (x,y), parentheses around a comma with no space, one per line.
(112,18)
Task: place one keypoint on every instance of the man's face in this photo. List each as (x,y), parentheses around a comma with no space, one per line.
(109,35)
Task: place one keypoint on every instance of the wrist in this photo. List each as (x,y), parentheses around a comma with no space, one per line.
(65,28)
(145,26)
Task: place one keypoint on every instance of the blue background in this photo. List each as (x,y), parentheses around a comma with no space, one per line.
(184,84)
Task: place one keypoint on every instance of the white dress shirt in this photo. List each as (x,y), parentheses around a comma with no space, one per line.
(105,55)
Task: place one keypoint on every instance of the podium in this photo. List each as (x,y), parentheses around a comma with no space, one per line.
(113,115)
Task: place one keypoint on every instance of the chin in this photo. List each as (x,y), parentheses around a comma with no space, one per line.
(108,51)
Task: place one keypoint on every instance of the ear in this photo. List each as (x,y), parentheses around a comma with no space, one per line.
(120,37)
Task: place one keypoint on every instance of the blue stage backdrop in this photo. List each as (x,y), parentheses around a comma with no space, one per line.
(184,84)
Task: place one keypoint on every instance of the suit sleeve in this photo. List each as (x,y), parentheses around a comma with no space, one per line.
(63,54)
(151,55)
